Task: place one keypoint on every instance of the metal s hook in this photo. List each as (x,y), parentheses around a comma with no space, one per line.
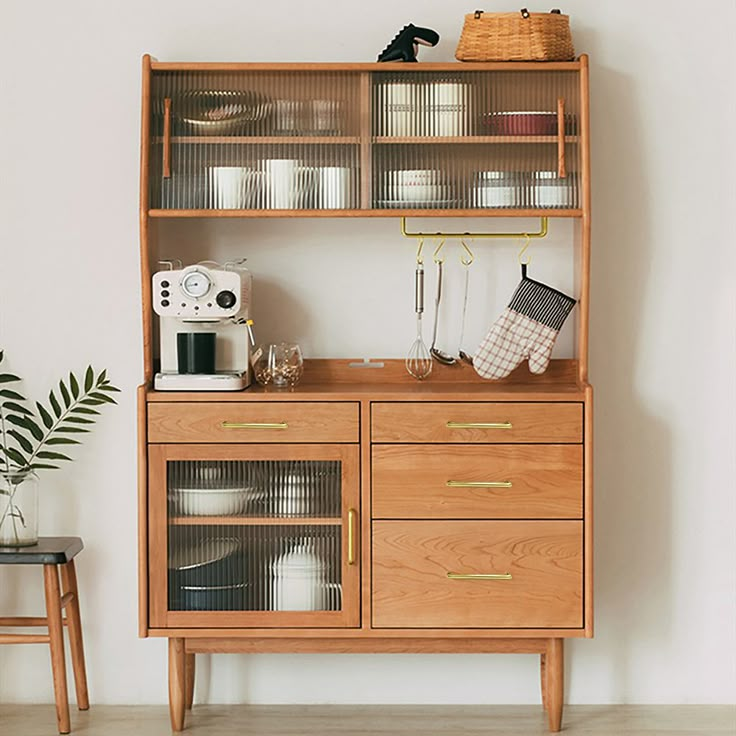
(467,257)
(436,255)
(420,260)
(523,250)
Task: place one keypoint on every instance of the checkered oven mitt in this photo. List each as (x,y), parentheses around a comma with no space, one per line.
(527,328)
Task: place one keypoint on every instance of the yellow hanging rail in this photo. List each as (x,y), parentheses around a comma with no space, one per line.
(540,234)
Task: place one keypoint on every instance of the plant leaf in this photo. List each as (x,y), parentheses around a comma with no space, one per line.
(103,397)
(46,418)
(101,378)
(2,353)
(79,420)
(83,410)
(64,391)
(92,402)
(16,457)
(71,429)
(89,378)
(22,440)
(46,455)
(17,407)
(26,423)
(108,387)
(55,404)
(74,385)
(6,393)
(8,378)
(62,441)
(43,466)
(33,428)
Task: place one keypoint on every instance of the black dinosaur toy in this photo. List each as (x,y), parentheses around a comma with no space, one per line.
(406,42)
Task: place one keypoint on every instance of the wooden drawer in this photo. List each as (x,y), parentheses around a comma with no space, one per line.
(501,422)
(477,482)
(253,422)
(412,559)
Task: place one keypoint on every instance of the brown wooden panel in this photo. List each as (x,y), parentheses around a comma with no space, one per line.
(179,422)
(516,422)
(411,481)
(412,559)
(321,645)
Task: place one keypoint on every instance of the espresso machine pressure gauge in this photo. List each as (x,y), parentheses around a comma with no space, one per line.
(196,284)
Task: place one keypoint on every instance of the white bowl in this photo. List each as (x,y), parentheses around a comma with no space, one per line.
(417,192)
(212,501)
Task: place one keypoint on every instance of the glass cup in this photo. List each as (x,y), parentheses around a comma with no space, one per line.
(280,365)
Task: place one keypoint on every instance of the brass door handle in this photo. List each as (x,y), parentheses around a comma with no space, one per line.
(254,425)
(352,516)
(479,576)
(479,425)
(479,484)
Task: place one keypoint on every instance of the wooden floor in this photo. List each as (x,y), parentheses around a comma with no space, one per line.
(362,720)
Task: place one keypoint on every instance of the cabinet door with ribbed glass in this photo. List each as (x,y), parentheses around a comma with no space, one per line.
(253,536)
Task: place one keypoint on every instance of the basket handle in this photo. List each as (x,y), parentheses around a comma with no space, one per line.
(524,13)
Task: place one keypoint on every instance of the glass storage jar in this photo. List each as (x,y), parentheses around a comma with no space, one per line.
(497,189)
(550,191)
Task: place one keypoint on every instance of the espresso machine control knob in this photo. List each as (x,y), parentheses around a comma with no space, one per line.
(226,299)
(196,284)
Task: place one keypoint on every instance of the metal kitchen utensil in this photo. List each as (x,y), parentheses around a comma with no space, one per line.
(466,259)
(418,360)
(439,355)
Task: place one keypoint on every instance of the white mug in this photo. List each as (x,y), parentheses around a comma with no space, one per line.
(333,187)
(226,185)
(281,182)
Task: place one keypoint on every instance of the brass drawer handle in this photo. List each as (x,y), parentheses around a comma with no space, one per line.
(479,576)
(479,425)
(254,425)
(479,484)
(352,515)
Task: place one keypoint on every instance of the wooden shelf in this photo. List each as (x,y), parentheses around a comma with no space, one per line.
(389,212)
(321,140)
(253,521)
(383,139)
(356,140)
(369,66)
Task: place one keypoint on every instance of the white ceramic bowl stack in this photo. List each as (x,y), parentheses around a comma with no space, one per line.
(416,186)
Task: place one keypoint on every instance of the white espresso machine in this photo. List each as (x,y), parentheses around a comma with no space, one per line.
(204,299)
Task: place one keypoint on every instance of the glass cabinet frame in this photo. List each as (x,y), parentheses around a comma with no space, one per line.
(160,615)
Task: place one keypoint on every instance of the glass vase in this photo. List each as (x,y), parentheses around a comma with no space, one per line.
(18,508)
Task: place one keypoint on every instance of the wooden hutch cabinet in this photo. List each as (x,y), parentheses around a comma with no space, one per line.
(378,513)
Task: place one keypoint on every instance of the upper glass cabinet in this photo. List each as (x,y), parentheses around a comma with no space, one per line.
(309,140)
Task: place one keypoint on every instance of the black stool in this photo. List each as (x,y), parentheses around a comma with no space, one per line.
(54,553)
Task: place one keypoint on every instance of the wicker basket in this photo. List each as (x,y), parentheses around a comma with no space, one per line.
(522,36)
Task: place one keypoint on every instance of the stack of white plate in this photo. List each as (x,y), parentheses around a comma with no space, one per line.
(416,186)
(299,581)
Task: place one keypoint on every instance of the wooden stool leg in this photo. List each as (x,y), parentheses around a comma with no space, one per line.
(543,678)
(69,585)
(555,667)
(56,644)
(177,684)
(189,669)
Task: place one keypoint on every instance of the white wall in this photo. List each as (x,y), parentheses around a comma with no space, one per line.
(662,330)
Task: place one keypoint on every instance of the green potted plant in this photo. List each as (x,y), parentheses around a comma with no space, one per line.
(31,437)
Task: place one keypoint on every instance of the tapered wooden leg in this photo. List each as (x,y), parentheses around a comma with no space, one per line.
(56,644)
(555,668)
(177,684)
(69,585)
(543,679)
(190,680)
